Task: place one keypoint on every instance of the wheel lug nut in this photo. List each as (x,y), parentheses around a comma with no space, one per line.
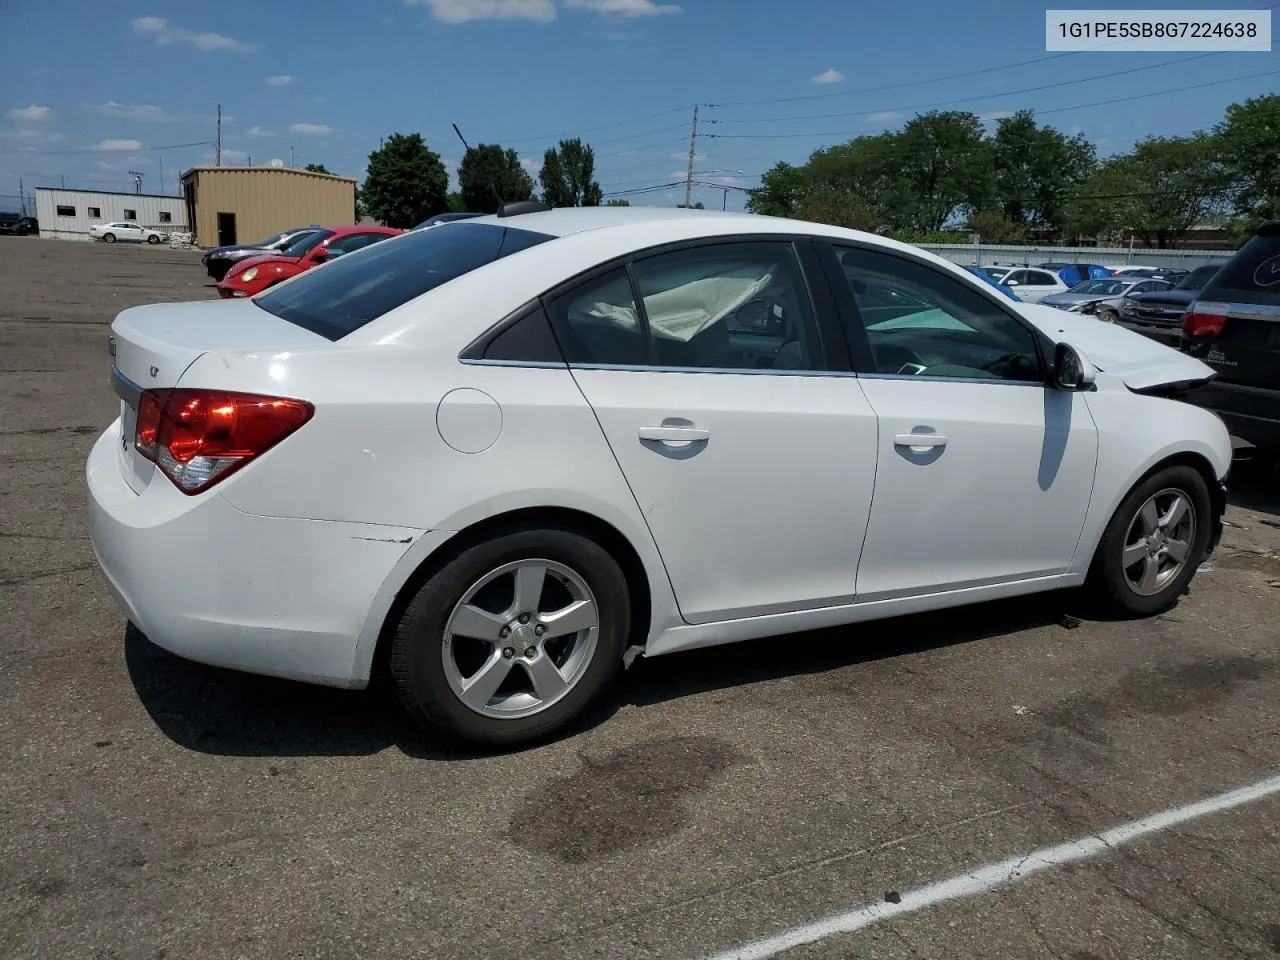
(539,629)
(531,652)
(504,632)
(508,652)
(524,618)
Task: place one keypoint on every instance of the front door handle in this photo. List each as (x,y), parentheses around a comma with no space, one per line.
(925,440)
(675,434)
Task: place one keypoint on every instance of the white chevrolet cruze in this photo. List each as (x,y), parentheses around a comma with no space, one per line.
(503,456)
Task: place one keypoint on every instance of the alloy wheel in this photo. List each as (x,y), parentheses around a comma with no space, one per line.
(1157,545)
(520,639)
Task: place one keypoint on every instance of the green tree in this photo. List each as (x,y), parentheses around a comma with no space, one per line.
(405,182)
(315,168)
(617,202)
(992,227)
(1249,137)
(488,172)
(1156,193)
(781,191)
(1036,170)
(941,162)
(453,203)
(568,176)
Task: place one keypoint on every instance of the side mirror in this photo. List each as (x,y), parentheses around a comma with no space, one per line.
(1011,283)
(1072,369)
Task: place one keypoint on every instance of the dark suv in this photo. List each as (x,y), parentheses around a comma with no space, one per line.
(1159,314)
(1234,327)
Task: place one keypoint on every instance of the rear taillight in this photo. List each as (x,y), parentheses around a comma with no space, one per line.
(1205,319)
(198,437)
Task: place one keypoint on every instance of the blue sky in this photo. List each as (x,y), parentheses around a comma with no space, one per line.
(92,88)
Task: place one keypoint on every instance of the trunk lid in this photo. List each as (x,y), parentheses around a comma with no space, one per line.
(1142,363)
(153,346)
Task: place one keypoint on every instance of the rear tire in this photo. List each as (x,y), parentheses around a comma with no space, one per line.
(530,675)
(108,238)
(1155,541)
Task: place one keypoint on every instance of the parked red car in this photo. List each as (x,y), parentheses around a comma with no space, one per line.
(255,274)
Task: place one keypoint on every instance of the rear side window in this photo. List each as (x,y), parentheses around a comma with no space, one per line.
(1251,276)
(362,286)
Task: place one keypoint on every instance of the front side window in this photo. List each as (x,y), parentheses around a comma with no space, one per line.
(921,322)
(355,290)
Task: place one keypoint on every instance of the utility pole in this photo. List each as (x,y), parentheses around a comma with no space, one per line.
(217,150)
(290,156)
(693,149)
(22,198)
(64,181)
(160,157)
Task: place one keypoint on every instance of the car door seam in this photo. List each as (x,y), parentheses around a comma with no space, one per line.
(875,480)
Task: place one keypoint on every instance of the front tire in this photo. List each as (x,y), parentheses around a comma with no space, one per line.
(513,639)
(153,239)
(1154,543)
(1107,316)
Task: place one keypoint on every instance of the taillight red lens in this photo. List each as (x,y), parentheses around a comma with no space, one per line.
(198,437)
(1205,320)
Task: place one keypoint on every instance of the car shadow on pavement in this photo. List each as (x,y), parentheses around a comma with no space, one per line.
(819,651)
(228,713)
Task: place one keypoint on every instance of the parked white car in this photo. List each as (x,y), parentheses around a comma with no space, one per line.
(1032,284)
(501,457)
(125,231)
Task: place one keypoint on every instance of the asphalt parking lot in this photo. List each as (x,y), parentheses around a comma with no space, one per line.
(154,808)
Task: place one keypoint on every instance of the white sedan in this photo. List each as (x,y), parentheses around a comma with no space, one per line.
(502,457)
(1033,284)
(125,231)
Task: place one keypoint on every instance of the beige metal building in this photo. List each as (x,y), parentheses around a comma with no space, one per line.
(227,205)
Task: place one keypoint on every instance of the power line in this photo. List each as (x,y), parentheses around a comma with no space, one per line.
(605,126)
(65,153)
(918,83)
(983,96)
(1077,106)
(638,147)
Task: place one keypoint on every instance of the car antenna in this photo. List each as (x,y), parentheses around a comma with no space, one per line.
(492,186)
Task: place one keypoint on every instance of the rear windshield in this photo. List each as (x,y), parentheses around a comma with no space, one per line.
(341,297)
(1198,277)
(301,245)
(1251,276)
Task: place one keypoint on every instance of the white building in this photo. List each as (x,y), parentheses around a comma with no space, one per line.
(68,214)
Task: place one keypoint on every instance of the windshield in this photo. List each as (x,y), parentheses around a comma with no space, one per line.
(301,245)
(1198,277)
(1106,288)
(363,285)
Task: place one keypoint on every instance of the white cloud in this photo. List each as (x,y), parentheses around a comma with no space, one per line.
(30,139)
(884,116)
(138,112)
(117,145)
(727,181)
(624,8)
(283,80)
(994,115)
(234,156)
(684,155)
(257,131)
(31,114)
(166,33)
(311,129)
(461,11)
(828,76)
(531,166)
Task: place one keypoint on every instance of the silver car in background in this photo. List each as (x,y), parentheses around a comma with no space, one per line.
(1102,297)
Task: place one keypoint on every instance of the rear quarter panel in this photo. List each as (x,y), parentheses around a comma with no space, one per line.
(375,449)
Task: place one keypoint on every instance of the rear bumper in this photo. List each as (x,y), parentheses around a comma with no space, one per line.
(282,597)
(1251,413)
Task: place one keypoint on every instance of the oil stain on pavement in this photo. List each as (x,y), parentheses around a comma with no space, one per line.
(630,797)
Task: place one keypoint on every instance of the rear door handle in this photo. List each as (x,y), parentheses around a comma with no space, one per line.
(675,434)
(920,440)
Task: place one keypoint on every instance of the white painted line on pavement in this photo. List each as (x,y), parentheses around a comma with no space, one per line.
(993,875)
